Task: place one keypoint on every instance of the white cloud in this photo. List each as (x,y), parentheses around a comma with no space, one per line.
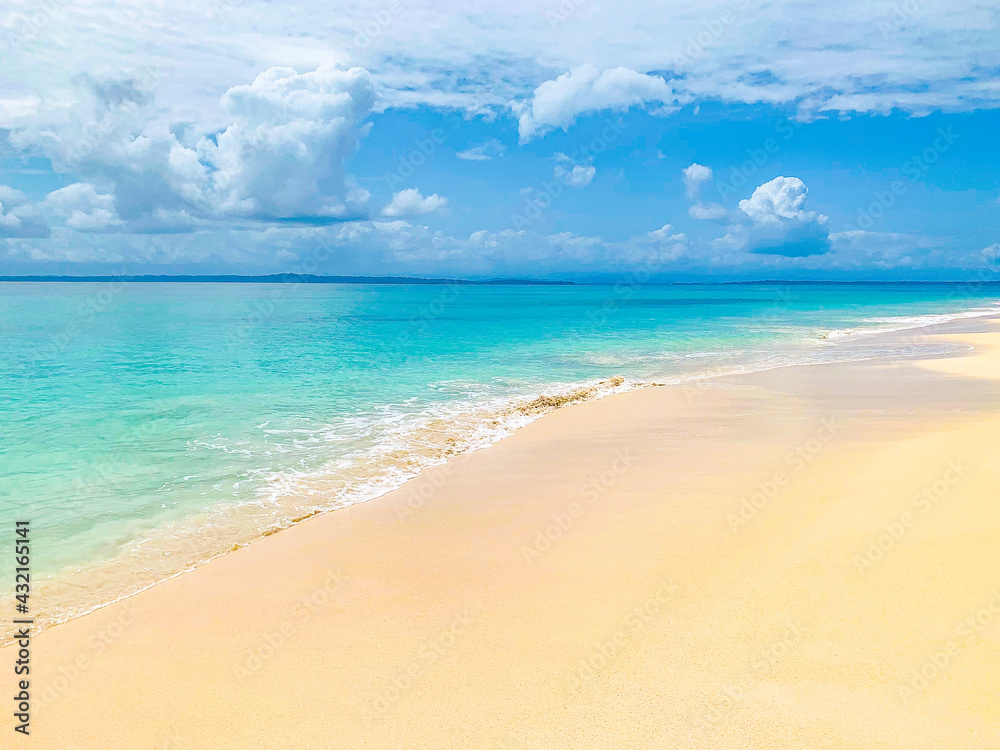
(779,223)
(851,56)
(483,152)
(585,89)
(666,233)
(18,216)
(14,112)
(8,220)
(694,177)
(578,176)
(401,247)
(279,158)
(82,208)
(707,211)
(858,248)
(12,196)
(780,199)
(410,202)
(210,146)
(283,155)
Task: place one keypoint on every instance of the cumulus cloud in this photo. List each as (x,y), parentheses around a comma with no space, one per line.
(666,233)
(672,244)
(279,158)
(778,200)
(694,177)
(283,155)
(577,176)
(18,217)
(10,198)
(779,223)
(81,207)
(269,153)
(410,202)
(571,174)
(557,103)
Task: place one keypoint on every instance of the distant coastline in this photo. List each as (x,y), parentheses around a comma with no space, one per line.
(298,278)
(287,278)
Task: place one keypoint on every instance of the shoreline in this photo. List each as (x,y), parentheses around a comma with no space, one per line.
(495,646)
(533,408)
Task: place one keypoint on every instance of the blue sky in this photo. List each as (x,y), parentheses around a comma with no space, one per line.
(563,140)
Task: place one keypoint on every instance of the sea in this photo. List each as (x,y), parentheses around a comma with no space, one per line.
(146,428)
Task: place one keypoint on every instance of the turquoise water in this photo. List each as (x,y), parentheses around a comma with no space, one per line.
(147,427)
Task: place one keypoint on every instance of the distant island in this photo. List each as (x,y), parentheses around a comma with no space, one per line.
(289,278)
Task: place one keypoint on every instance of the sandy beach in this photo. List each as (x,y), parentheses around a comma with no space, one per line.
(807,557)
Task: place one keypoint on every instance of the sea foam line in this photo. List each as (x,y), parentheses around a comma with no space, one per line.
(486,423)
(905,323)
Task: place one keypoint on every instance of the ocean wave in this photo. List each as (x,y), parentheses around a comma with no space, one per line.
(879,325)
(403,444)
(379,452)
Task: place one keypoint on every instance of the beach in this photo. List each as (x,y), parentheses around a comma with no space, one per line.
(802,557)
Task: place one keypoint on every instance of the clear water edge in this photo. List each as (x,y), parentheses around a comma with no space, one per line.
(158,549)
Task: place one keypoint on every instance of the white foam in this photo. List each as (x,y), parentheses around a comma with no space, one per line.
(395,444)
(905,323)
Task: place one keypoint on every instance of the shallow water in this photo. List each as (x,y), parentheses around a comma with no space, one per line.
(147,427)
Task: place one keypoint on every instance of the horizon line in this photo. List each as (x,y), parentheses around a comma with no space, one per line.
(294,278)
